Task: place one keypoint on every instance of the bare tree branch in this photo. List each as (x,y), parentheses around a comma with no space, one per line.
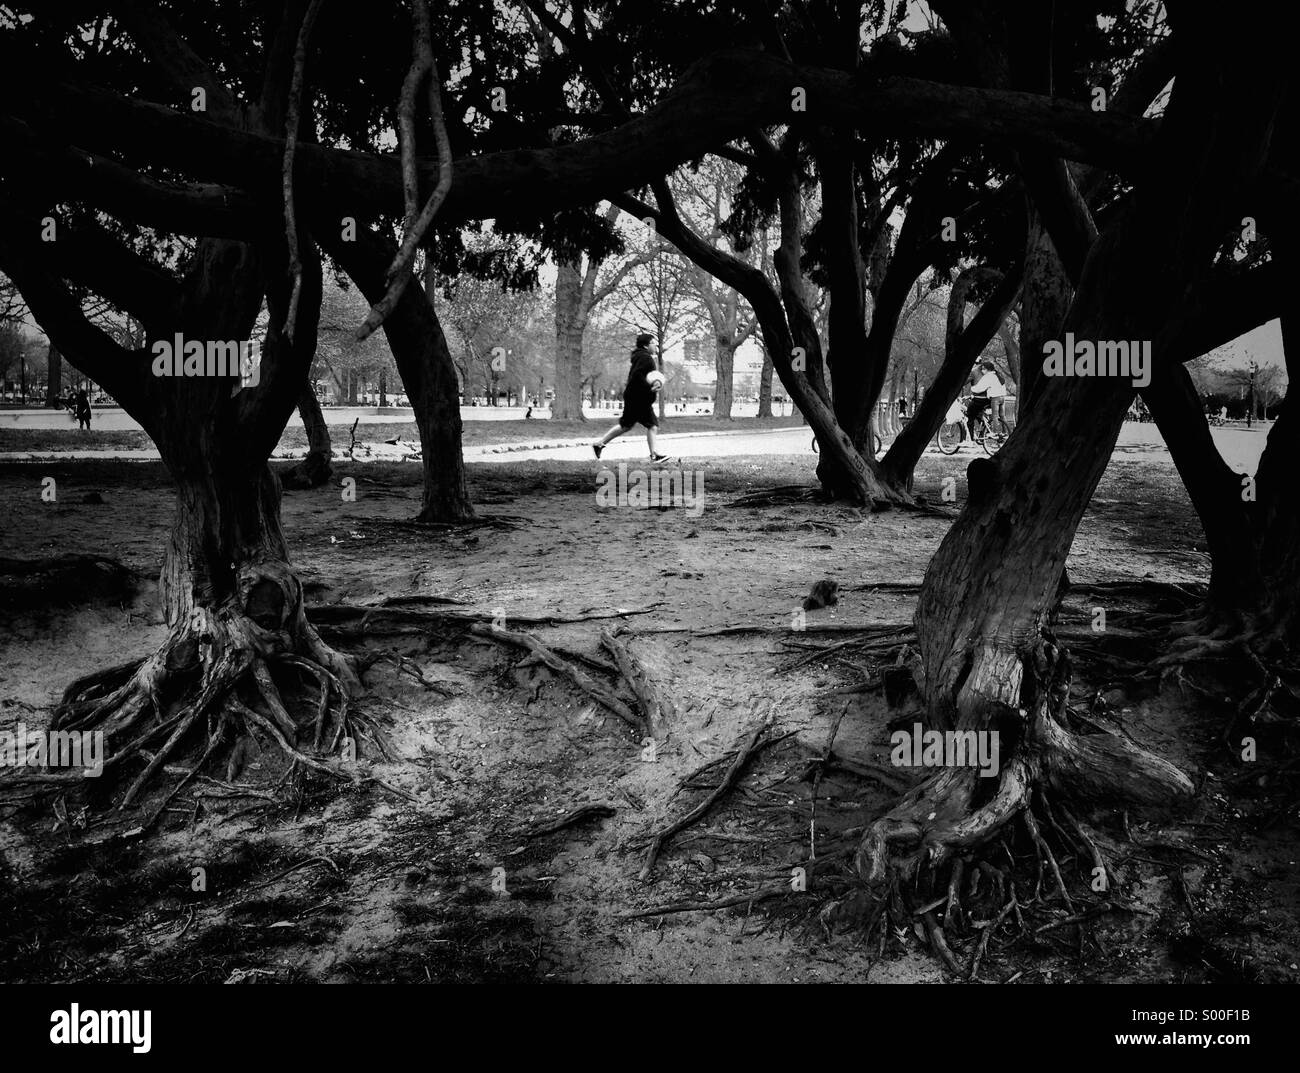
(422,63)
(290,144)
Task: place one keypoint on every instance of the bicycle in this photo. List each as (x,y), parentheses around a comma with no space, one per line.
(952,434)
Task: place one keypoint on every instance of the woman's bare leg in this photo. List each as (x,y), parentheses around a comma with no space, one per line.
(613,434)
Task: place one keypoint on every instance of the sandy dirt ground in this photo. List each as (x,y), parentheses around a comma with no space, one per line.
(443,874)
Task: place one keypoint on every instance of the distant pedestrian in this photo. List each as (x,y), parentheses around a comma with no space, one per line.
(83,410)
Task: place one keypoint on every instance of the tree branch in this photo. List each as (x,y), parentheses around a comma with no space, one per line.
(290,144)
(60,315)
(174,207)
(422,64)
(725,96)
(186,69)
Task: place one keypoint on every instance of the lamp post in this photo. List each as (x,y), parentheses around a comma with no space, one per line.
(1250,397)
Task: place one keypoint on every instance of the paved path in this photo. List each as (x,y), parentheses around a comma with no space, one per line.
(1240,447)
(113,419)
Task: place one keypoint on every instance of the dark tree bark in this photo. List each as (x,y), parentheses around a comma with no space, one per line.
(847,355)
(1277,516)
(1047,294)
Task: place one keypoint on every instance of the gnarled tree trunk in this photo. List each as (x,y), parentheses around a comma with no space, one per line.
(232,602)
(989,661)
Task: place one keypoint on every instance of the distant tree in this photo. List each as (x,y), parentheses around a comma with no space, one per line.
(658,299)
(582,283)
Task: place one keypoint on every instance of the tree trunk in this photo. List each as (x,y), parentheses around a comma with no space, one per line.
(1042,312)
(765,387)
(1215,490)
(314,470)
(570,327)
(424,363)
(1277,514)
(54,378)
(724,366)
(988,659)
(383,387)
(847,354)
(232,602)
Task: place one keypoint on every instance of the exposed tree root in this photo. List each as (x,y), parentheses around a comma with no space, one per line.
(657,708)
(215,677)
(743,755)
(949,824)
(312,471)
(583,681)
(464,525)
(782,495)
(384,618)
(575,816)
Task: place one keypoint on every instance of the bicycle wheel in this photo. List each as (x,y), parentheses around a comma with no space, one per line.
(992,439)
(878,442)
(949,437)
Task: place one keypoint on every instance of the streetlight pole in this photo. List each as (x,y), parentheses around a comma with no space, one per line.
(1250,398)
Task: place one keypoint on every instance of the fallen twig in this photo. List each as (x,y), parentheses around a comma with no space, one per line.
(656,708)
(743,755)
(864,629)
(774,890)
(326,614)
(762,746)
(939,944)
(563,667)
(581,814)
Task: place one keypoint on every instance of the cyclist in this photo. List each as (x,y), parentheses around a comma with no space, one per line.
(987,391)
